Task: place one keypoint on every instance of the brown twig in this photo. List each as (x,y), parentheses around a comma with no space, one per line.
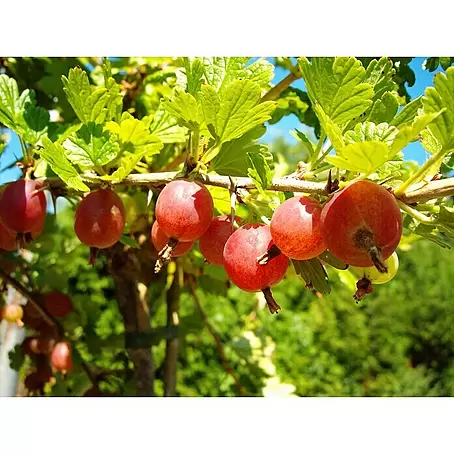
(433,190)
(44,314)
(224,361)
(276,91)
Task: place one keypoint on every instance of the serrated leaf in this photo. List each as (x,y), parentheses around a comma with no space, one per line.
(408,134)
(331,129)
(89,103)
(259,170)
(37,122)
(261,72)
(134,136)
(232,158)
(54,155)
(408,114)
(194,75)
(210,105)
(384,109)
(363,157)
(379,74)
(183,107)
(127,164)
(10,103)
(20,113)
(337,84)
(166,128)
(436,98)
(429,141)
(313,274)
(220,71)
(292,101)
(369,131)
(238,110)
(91,146)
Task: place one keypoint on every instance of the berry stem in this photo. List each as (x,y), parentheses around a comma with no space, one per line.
(165,254)
(270,254)
(272,305)
(364,240)
(93,255)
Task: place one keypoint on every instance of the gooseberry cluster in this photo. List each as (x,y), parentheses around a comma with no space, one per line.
(360,225)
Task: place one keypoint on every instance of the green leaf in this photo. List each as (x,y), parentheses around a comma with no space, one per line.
(11,105)
(408,114)
(20,113)
(369,131)
(236,111)
(446,62)
(232,158)
(408,134)
(261,72)
(363,157)
(54,155)
(313,274)
(183,107)
(436,98)
(329,258)
(194,75)
(129,241)
(220,71)
(127,164)
(429,141)
(89,103)
(331,129)
(292,101)
(379,74)
(134,135)
(259,170)
(91,146)
(37,122)
(308,145)
(166,128)
(384,109)
(446,215)
(337,84)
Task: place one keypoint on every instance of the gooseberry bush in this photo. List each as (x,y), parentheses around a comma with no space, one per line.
(152,184)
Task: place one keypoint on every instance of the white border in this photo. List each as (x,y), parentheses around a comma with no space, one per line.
(218,425)
(234,27)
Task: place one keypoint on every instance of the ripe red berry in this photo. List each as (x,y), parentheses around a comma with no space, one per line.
(8,240)
(184,210)
(23,206)
(362,224)
(241,251)
(295,228)
(160,239)
(100,220)
(61,357)
(58,304)
(212,242)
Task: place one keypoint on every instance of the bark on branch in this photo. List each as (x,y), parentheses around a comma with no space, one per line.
(433,190)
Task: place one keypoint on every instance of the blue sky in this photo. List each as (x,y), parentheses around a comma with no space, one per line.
(414,151)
